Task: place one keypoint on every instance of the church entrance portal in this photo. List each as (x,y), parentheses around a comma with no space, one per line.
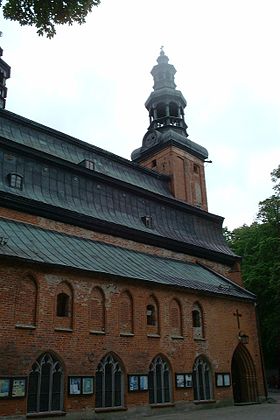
(244,381)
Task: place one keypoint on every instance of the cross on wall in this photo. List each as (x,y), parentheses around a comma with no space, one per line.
(238,315)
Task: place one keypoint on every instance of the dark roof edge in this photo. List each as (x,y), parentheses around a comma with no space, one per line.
(87,222)
(161,146)
(83,144)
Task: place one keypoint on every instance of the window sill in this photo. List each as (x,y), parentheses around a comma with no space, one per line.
(126,334)
(162,405)
(199,339)
(97,332)
(177,337)
(107,409)
(46,414)
(153,335)
(61,329)
(25,327)
(204,401)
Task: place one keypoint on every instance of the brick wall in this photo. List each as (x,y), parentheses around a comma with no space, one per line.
(80,345)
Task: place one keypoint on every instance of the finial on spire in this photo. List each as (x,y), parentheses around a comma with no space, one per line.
(162,57)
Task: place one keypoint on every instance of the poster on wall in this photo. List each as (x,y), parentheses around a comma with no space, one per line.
(137,383)
(143,383)
(4,387)
(18,387)
(74,385)
(87,385)
(183,380)
(133,383)
(222,379)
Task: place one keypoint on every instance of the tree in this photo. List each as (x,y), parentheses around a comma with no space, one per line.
(259,245)
(44,15)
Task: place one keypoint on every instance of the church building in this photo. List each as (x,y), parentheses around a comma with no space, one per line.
(118,291)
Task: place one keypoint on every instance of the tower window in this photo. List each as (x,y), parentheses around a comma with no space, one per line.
(15,181)
(154,163)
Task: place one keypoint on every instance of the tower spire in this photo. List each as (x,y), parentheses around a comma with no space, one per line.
(166,147)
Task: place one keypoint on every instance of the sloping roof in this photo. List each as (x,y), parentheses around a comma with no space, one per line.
(34,244)
(54,143)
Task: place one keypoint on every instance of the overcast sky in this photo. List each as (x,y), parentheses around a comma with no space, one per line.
(92,81)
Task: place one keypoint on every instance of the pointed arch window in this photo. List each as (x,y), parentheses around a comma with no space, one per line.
(197,321)
(159,381)
(109,383)
(202,380)
(45,385)
(64,307)
(151,315)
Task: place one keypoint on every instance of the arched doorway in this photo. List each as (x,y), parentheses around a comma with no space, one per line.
(159,381)
(202,380)
(244,381)
(45,385)
(109,383)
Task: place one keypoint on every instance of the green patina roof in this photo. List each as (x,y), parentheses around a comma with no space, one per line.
(30,243)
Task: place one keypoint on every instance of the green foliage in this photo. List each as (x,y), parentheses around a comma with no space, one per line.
(44,15)
(259,245)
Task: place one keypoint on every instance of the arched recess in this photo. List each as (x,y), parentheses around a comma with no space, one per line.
(64,306)
(159,380)
(202,379)
(243,372)
(26,302)
(126,313)
(152,316)
(173,109)
(109,382)
(45,385)
(197,321)
(97,310)
(175,318)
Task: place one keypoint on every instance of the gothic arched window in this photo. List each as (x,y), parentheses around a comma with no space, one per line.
(159,381)
(109,383)
(197,321)
(45,385)
(64,306)
(202,380)
(152,316)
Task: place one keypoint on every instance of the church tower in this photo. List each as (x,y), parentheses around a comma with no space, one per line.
(166,147)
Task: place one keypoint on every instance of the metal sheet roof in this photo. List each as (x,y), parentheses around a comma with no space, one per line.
(39,137)
(85,195)
(35,244)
